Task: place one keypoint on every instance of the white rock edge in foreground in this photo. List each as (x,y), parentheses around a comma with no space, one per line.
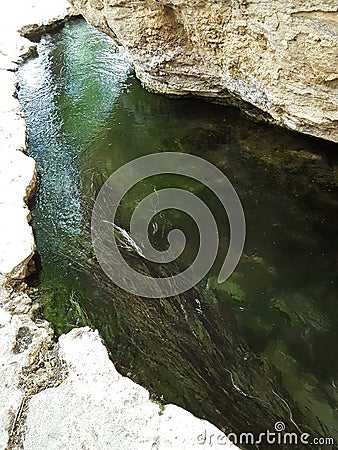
(97,408)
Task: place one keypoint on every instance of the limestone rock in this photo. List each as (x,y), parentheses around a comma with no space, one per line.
(16,240)
(22,342)
(97,408)
(12,123)
(280,58)
(17,177)
(17,184)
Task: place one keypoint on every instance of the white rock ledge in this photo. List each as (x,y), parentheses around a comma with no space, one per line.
(97,408)
(22,341)
(94,407)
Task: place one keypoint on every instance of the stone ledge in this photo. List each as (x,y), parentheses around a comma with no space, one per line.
(97,408)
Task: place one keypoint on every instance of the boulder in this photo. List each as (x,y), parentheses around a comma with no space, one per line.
(97,408)
(278,60)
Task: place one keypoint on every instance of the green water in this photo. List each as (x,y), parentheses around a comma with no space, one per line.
(259,348)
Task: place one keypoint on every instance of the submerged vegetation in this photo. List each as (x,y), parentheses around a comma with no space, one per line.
(244,354)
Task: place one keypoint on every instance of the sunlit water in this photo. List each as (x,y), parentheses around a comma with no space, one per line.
(258,348)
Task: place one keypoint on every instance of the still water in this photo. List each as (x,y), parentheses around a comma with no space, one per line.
(260,347)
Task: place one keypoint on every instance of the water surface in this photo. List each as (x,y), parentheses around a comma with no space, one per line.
(259,348)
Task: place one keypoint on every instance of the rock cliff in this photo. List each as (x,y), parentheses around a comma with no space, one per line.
(278,60)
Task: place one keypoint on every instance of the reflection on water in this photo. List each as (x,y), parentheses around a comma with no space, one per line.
(259,348)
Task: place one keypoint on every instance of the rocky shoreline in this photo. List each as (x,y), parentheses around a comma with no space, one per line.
(276,60)
(65,394)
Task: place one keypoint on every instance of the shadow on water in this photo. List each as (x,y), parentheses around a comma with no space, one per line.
(260,347)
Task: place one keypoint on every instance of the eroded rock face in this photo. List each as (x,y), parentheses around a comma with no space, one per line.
(279,57)
(17,184)
(23,342)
